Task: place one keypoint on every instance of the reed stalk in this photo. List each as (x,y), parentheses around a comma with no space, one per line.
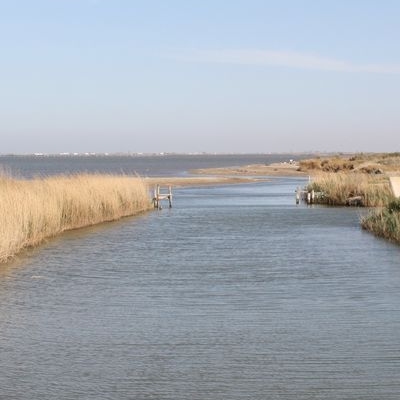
(33,210)
(337,188)
(384,222)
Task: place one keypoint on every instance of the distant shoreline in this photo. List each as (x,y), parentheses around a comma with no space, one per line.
(167,154)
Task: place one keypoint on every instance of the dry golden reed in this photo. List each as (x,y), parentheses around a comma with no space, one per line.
(32,210)
(374,190)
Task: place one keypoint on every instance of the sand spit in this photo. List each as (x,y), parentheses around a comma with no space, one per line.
(276,169)
(199,180)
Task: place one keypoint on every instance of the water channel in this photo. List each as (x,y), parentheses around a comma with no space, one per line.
(235,293)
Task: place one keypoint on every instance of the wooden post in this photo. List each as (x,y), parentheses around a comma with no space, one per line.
(155,197)
(297,195)
(170,196)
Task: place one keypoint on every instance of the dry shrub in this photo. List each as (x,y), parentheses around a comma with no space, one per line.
(336,165)
(311,164)
(370,169)
(329,164)
(32,210)
(390,159)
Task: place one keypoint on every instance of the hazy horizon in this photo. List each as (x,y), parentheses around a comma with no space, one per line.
(203,153)
(241,77)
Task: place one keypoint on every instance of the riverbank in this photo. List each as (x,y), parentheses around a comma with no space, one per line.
(33,210)
(343,188)
(356,179)
(384,222)
(369,180)
(364,190)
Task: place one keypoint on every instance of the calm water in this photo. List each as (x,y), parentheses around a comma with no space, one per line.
(235,293)
(29,166)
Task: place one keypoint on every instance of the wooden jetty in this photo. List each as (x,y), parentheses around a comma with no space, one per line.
(308,196)
(161,194)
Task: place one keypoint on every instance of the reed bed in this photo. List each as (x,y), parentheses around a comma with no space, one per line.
(338,188)
(33,210)
(384,222)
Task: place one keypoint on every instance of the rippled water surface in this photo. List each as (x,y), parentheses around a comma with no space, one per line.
(235,293)
(145,165)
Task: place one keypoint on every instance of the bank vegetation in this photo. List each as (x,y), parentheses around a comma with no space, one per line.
(385,221)
(361,179)
(33,210)
(341,188)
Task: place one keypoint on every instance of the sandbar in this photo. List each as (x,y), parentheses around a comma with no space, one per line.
(275,169)
(199,180)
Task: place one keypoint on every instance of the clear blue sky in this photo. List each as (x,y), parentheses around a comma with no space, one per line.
(206,75)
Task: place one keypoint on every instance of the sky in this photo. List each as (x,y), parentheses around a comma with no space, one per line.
(251,76)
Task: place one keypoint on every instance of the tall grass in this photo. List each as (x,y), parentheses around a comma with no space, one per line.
(32,210)
(337,188)
(384,222)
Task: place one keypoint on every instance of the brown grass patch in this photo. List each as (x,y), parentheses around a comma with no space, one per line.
(371,163)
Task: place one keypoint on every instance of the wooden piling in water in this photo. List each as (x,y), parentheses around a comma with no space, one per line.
(159,196)
(298,195)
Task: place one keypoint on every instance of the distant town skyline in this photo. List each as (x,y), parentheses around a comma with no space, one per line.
(102,76)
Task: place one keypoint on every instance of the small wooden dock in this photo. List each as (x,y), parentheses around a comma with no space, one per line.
(308,196)
(161,194)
